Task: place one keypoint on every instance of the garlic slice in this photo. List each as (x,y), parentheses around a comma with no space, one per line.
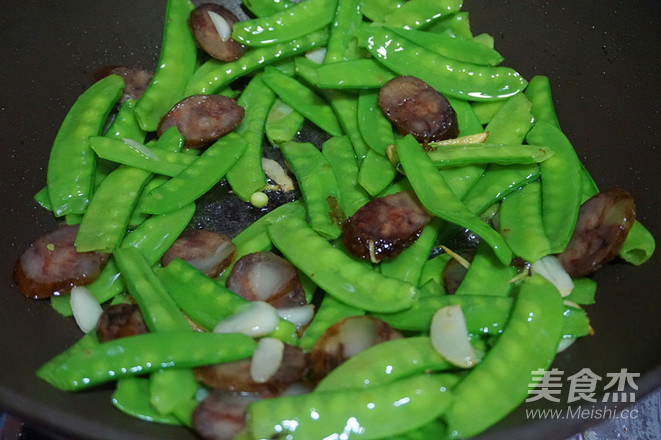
(255,319)
(222,26)
(275,172)
(550,268)
(449,337)
(299,316)
(86,309)
(266,359)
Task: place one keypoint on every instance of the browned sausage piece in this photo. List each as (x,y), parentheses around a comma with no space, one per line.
(389,224)
(51,265)
(136,80)
(206,250)
(203,29)
(264,276)
(346,338)
(235,376)
(603,224)
(201,119)
(222,415)
(120,321)
(414,107)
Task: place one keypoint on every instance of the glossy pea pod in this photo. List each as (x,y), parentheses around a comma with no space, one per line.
(339,154)
(486,275)
(361,73)
(420,13)
(317,183)
(210,302)
(487,153)
(583,292)
(168,388)
(296,21)
(377,10)
(383,363)
(176,63)
(376,173)
(447,76)
(458,24)
(373,125)
(207,170)
(497,385)
(561,184)
(304,100)
(538,93)
(433,269)
(521,223)
(447,44)
(329,312)
(342,41)
(247,176)
(214,74)
(143,354)
(71,166)
(377,412)
(486,110)
(263,8)
(131,396)
(335,272)
(282,123)
(437,197)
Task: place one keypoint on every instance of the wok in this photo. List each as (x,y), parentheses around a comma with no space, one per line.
(603,60)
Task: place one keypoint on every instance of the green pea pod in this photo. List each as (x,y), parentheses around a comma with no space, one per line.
(296,21)
(497,385)
(575,323)
(512,122)
(384,363)
(561,184)
(376,173)
(136,355)
(345,106)
(419,13)
(433,269)
(486,275)
(337,273)
(458,24)
(467,119)
(373,125)
(486,153)
(214,74)
(538,93)
(583,291)
(638,246)
(70,174)
(282,123)
(247,175)
(125,124)
(521,223)
(377,10)
(354,74)
(377,412)
(329,312)
(167,163)
(303,100)
(342,41)
(263,8)
(486,110)
(131,396)
(198,178)
(318,184)
(176,64)
(447,44)
(435,194)
(339,154)
(450,77)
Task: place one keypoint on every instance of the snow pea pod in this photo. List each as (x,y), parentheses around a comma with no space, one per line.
(486,275)
(339,154)
(373,125)
(342,41)
(125,124)
(377,10)
(450,77)
(538,93)
(575,323)
(247,175)
(497,385)
(296,21)
(583,291)
(282,123)
(378,412)
(263,8)
(330,311)
(176,63)
(71,165)
(419,13)
(167,163)
(136,355)
(435,194)
(433,269)
(198,178)
(131,396)
(486,110)
(376,173)
(334,271)
(521,223)
(447,44)
(467,154)
(561,184)
(304,100)
(353,74)
(317,183)
(458,24)
(383,363)
(214,74)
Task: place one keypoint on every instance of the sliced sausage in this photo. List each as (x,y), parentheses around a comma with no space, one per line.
(346,338)
(385,226)
(208,251)
(235,376)
(51,265)
(136,80)
(201,119)
(222,415)
(202,26)
(603,224)
(264,276)
(120,321)
(416,108)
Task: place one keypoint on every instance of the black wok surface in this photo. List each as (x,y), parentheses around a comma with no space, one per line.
(604,62)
